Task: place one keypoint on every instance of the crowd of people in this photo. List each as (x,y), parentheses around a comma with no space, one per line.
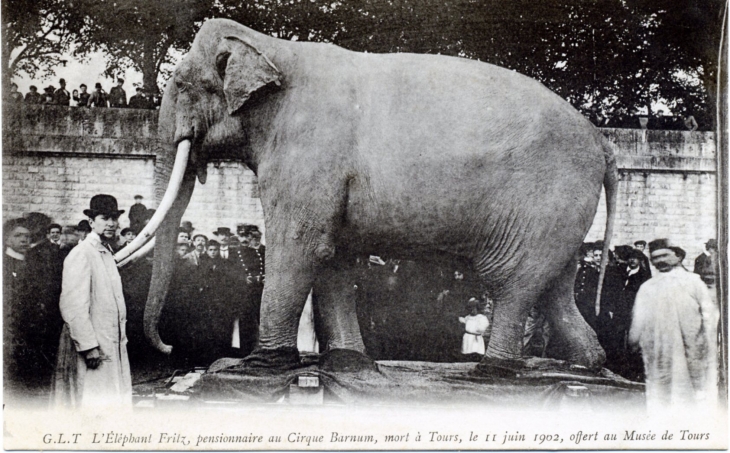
(99,98)
(212,308)
(627,270)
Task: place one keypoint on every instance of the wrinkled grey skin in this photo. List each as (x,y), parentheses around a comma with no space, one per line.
(398,153)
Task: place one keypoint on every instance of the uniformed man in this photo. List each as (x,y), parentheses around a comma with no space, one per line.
(137,214)
(251,260)
(117,95)
(586,284)
(61,96)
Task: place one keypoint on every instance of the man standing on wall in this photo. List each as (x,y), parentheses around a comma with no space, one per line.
(61,96)
(117,95)
(82,98)
(675,324)
(93,368)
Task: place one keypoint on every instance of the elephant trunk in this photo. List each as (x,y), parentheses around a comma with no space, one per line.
(174,205)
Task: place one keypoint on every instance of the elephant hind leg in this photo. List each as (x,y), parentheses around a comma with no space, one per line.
(334,307)
(571,338)
(512,304)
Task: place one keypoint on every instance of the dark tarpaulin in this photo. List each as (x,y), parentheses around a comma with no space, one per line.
(548,384)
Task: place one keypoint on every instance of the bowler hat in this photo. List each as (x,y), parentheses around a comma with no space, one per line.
(222,231)
(103,204)
(624,252)
(186,226)
(658,244)
(83,226)
(711,244)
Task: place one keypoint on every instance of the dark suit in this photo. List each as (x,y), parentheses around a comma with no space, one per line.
(217,306)
(585,289)
(705,268)
(62,97)
(117,97)
(45,270)
(137,214)
(19,325)
(249,264)
(627,363)
(138,102)
(98,99)
(33,98)
(82,99)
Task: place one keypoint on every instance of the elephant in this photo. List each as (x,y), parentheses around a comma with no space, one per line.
(357,153)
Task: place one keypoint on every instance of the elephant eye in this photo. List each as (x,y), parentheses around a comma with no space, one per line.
(181,86)
(221,61)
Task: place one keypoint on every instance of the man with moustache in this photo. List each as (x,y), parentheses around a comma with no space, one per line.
(93,367)
(675,324)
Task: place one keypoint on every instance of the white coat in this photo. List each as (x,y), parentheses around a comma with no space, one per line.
(675,323)
(93,309)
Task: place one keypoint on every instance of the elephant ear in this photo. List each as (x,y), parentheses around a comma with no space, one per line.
(244,70)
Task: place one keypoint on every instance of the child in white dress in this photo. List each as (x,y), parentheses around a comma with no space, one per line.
(475,325)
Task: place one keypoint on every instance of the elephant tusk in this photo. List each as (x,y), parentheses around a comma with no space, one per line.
(143,251)
(178,170)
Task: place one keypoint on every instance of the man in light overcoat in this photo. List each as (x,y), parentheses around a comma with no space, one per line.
(93,368)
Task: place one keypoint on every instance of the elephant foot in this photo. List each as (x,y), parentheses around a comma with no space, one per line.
(504,368)
(533,367)
(280,359)
(346,360)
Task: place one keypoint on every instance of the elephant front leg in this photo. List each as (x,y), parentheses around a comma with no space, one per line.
(290,274)
(336,318)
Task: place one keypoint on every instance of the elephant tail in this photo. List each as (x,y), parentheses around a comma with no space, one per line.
(610,184)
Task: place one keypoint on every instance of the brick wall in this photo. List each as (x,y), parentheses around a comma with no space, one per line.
(56,158)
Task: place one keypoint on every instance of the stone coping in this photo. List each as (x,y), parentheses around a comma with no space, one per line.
(132,133)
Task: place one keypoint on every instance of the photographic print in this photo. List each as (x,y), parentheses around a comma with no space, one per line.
(364,225)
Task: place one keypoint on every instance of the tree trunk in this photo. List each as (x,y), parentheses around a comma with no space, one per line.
(149,68)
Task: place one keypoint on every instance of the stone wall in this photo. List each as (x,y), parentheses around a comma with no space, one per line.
(667,189)
(56,158)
